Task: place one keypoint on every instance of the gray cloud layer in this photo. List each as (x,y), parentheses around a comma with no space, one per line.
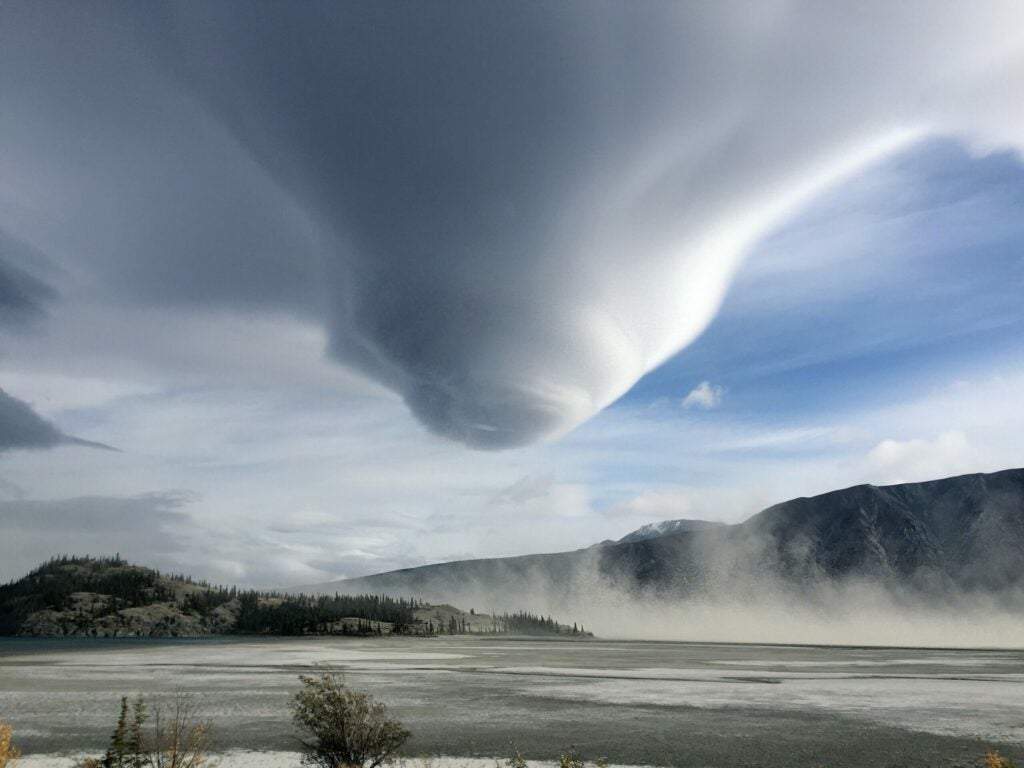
(147,528)
(21,427)
(505,213)
(23,296)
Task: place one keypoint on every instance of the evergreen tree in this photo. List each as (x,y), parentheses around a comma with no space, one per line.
(135,742)
(126,748)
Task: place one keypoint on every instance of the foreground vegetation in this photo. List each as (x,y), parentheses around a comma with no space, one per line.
(8,752)
(345,727)
(110,597)
(340,727)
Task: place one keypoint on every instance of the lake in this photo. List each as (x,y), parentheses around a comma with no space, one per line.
(636,703)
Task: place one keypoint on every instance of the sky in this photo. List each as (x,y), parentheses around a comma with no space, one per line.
(291,293)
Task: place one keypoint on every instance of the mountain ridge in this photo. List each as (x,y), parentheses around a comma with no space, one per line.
(666,527)
(957,533)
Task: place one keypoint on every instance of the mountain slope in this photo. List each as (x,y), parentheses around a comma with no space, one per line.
(960,533)
(967,530)
(666,528)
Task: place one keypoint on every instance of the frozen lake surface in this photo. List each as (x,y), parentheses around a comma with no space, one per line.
(636,703)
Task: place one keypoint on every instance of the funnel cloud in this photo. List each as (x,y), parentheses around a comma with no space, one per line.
(505,214)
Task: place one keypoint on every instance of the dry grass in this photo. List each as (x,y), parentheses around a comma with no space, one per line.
(8,752)
(180,738)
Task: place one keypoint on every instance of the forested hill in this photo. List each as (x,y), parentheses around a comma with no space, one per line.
(109,597)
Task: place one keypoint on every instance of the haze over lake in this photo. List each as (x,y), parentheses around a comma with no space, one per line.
(634,702)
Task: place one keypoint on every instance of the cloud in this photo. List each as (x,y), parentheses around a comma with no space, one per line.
(526,489)
(23,295)
(147,528)
(867,289)
(654,505)
(704,395)
(916,460)
(21,427)
(292,488)
(504,214)
(159,530)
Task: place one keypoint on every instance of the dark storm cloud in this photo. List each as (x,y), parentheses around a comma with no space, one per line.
(21,427)
(507,213)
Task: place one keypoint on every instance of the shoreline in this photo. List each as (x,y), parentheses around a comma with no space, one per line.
(224,638)
(242,758)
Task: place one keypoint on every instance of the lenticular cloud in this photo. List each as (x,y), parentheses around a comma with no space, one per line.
(507,213)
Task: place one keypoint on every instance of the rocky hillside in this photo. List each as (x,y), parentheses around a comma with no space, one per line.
(109,597)
(965,531)
(960,534)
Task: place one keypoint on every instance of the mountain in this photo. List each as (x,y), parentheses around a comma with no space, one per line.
(957,536)
(666,528)
(960,534)
(965,531)
(110,597)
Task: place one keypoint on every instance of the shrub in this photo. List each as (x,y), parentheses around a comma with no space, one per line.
(573,759)
(8,752)
(349,729)
(517,760)
(569,759)
(994,760)
(178,738)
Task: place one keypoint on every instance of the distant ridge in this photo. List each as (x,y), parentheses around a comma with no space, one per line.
(666,528)
(959,533)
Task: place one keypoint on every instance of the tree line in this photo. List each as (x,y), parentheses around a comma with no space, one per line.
(250,612)
(270,613)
